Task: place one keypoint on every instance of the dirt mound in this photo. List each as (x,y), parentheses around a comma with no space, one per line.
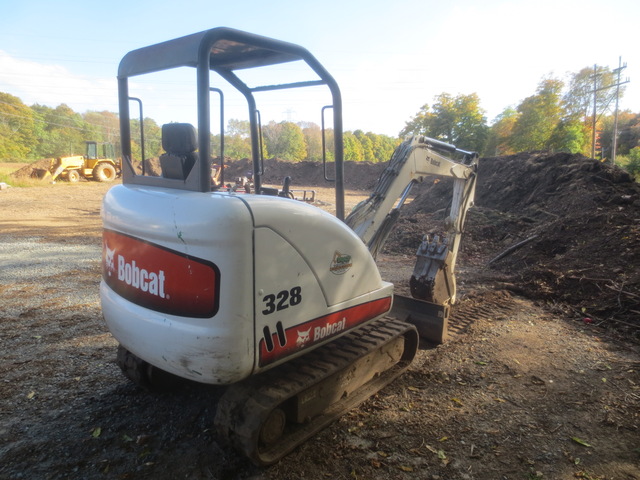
(358,175)
(579,219)
(32,170)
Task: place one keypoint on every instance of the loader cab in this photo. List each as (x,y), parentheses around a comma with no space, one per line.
(209,93)
(96,151)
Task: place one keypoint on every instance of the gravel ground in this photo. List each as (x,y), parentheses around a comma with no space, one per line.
(22,261)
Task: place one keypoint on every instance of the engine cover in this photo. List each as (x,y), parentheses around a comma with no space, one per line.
(214,287)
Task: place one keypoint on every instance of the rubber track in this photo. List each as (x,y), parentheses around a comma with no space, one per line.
(245,406)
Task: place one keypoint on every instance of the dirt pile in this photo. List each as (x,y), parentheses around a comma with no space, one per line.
(33,170)
(358,175)
(579,219)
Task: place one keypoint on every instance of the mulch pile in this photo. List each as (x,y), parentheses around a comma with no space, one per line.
(579,220)
(358,175)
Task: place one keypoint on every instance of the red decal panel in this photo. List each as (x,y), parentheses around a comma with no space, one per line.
(158,278)
(307,334)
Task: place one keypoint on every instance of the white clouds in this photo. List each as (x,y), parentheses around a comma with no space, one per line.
(51,85)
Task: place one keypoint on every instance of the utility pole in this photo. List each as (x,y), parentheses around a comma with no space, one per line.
(595,91)
(289,113)
(614,143)
(593,129)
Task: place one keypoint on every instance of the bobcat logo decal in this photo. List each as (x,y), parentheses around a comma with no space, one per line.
(303,337)
(108,259)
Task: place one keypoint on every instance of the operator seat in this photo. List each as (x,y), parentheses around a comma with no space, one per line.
(179,141)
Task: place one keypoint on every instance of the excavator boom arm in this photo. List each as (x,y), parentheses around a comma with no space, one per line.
(372,220)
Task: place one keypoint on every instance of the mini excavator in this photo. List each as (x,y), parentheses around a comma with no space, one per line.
(275,299)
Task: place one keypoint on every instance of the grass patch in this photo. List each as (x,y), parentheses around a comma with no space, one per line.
(6,169)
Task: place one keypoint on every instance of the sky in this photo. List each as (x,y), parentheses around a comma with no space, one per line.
(389,58)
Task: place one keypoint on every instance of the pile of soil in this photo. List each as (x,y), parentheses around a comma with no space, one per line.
(579,220)
(358,175)
(32,170)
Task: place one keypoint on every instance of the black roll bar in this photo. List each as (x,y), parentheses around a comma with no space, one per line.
(224,51)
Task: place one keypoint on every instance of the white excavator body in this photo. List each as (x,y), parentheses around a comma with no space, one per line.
(220,286)
(274,298)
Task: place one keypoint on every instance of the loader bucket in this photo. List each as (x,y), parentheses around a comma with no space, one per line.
(430,319)
(40,173)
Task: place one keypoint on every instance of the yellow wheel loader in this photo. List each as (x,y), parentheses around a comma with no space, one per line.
(102,167)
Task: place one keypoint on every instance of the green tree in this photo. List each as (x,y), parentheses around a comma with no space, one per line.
(353,151)
(237,140)
(64,131)
(628,132)
(578,100)
(571,136)
(633,164)
(104,126)
(42,128)
(383,146)
(238,128)
(367,146)
(16,128)
(457,120)
(470,130)
(420,124)
(312,139)
(589,90)
(539,115)
(329,144)
(285,140)
(500,133)
(152,138)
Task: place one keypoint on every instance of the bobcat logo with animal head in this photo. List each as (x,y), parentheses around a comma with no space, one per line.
(303,337)
(108,259)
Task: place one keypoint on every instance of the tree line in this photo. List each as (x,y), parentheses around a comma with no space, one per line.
(300,141)
(35,132)
(558,116)
(30,133)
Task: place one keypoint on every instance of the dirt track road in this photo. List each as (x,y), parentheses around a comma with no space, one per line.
(520,392)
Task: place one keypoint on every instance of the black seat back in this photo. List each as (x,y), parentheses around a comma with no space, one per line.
(179,141)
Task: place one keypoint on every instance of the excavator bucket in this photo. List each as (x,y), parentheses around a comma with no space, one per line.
(431,320)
